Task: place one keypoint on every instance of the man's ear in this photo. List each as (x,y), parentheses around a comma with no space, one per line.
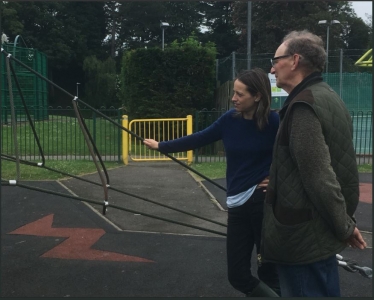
(296,60)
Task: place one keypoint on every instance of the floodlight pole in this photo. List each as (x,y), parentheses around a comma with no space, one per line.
(163,35)
(321,22)
(77,87)
(249,34)
(163,25)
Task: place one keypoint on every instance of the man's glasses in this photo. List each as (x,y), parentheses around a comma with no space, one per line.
(274,60)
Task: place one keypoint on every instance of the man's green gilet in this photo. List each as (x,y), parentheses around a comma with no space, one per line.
(293,230)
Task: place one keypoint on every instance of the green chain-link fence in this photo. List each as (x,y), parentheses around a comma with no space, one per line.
(352,83)
(362,136)
(34,89)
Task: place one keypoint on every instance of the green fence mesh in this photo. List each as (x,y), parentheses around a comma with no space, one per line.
(34,89)
(352,83)
(356,90)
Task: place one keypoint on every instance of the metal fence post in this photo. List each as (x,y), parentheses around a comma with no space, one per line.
(125,140)
(341,73)
(94,127)
(119,135)
(189,131)
(196,130)
(233,65)
(216,71)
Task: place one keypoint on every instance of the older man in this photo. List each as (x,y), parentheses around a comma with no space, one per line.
(313,190)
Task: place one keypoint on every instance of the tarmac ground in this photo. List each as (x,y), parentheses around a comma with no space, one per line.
(53,246)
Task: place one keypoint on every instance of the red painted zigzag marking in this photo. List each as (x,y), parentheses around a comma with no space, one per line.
(366,194)
(78,243)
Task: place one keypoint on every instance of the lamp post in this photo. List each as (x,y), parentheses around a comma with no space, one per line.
(77,88)
(249,34)
(163,26)
(323,22)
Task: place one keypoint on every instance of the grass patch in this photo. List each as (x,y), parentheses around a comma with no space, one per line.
(61,135)
(216,170)
(365,168)
(76,167)
(212,170)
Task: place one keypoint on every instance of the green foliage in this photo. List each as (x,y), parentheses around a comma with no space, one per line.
(10,19)
(219,27)
(171,83)
(100,82)
(140,22)
(66,32)
(272,20)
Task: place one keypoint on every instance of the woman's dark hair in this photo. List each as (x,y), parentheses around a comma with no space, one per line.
(258,83)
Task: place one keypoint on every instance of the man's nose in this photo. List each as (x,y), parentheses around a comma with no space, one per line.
(272,70)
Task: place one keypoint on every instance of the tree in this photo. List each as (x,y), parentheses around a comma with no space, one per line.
(100,82)
(219,27)
(357,34)
(369,24)
(113,24)
(140,26)
(170,83)
(271,21)
(66,32)
(11,26)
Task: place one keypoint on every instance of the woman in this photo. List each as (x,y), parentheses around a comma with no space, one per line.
(248,132)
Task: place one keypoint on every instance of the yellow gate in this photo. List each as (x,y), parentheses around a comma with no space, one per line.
(157,129)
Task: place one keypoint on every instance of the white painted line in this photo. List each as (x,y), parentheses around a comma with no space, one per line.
(212,198)
(90,207)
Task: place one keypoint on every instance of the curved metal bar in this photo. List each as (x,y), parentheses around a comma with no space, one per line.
(109,205)
(89,145)
(92,143)
(14,121)
(9,158)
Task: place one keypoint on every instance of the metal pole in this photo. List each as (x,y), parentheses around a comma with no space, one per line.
(162,39)
(233,65)
(341,73)
(77,88)
(1,104)
(249,34)
(327,49)
(217,73)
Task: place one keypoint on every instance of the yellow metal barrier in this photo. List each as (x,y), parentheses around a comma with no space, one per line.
(157,129)
(366,60)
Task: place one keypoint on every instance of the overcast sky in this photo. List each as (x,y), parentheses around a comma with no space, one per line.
(362,7)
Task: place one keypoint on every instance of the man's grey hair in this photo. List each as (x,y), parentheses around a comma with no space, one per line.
(309,46)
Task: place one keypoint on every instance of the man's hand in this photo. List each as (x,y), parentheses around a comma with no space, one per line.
(151,144)
(356,240)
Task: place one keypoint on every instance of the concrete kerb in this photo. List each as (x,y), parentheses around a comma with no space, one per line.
(206,190)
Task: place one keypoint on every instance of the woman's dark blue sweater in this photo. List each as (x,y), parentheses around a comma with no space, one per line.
(248,150)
